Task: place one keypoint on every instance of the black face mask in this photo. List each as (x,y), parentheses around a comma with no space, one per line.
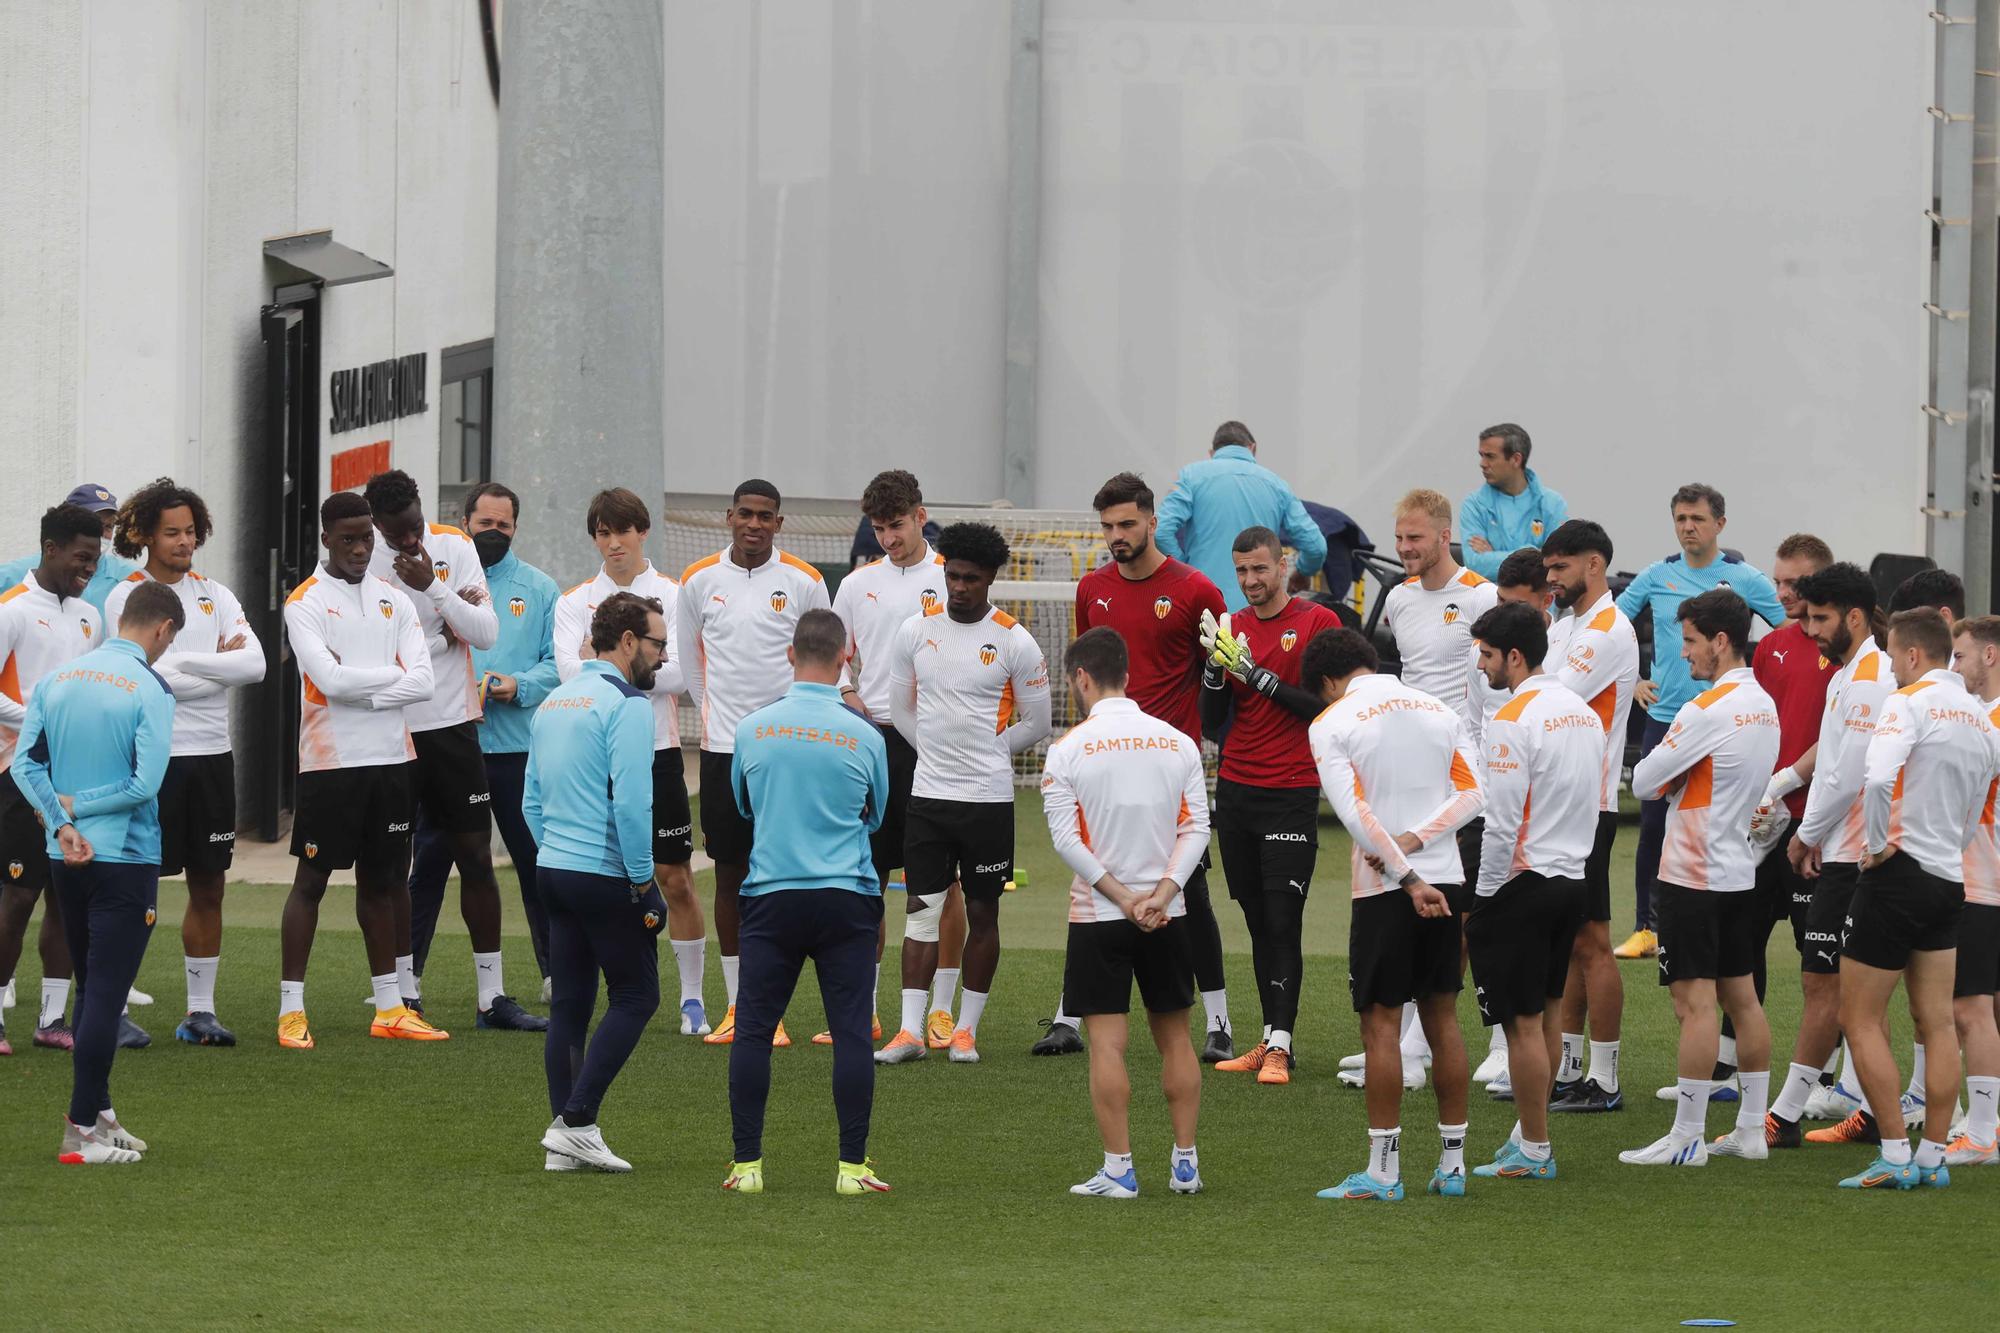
(492,545)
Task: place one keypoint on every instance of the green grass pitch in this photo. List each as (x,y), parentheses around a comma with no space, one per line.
(371,1184)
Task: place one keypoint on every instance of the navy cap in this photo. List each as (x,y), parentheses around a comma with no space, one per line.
(94,498)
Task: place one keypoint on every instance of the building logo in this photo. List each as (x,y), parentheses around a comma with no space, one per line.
(1288,640)
(518,605)
(778,600)
(207,605)
(988,654)
(1162,605)
(386,607)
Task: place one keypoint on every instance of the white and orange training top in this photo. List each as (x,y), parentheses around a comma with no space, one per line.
(1713,765)
(576,608)
(1395,760)
(1930,771)
(39,631)
(196,668)
(968,698)
(875,602)
(455,562)
(1432,630)
(1982,854)
(1599,662)
(1124,795)
(362,661)
(1833,820)
(1543,753)
(733,629)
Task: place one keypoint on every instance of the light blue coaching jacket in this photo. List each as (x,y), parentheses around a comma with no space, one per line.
(524,601)
(99,730)
(1216,499)
(588,798)
(1508,522)
(814,775)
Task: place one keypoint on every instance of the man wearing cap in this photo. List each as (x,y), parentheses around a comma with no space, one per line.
(112,568)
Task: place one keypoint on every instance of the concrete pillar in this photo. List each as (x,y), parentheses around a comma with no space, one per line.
(578,358)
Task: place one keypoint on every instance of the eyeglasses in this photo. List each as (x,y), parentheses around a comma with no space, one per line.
(660,644)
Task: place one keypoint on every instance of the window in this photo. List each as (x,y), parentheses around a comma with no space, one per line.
(465,421)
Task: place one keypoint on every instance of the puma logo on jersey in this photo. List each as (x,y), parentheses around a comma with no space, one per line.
(932,644)
(1779,655)
(874,597)
(718,599)
(1104,603)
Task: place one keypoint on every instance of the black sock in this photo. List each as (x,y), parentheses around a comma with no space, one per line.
(577,1120)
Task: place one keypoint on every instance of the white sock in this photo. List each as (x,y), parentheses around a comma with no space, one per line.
(1895,1150)
(1756,1095)
(1916,1088)
(1691,1109)
(1497,1044)
(291,997)
(1453,1157)
(1416,1046)
(406,977)
(913,1012)
(1267,1033)
(1930,1156)
(387,994)
(1281,1040)
(1187,1154)
(1982,1109)
(1800,1080)
(1118,1164)
(1832,1066)
(968,1017)
(1062,1017)
(691,960)
(875,996)
(1570,1069)
(944,990)
(200,983)
(55,999)
(1514,1134)
(1537,1152)
(1385,1155)
(1216,1003)
(1604,1065)
(1848,1078)
(729,978)
(492,978)
(1725,1052)
(1407,1021)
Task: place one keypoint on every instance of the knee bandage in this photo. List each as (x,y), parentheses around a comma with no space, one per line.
(922,922)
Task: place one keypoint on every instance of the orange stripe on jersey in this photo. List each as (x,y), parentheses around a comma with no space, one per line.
(698,566)
(1605,705)
(10,679)
(1461,774)
(313,695)
(138,576)
(1605,619)
(786,557)
(440,529)
(1003,620)
(1006,707)
(1182,816)
(1869,668)
(1511,710)
(13,592)
(1985,815)
(1083,825)
(585,584)
(302,589)
(1707,697)
(1910,689)
(1699,790)
(1468,577)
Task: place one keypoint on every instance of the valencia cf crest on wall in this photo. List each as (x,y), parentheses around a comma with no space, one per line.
(387,608)
(1162,605)
(988,654)
(778,600)
(1288,640)
(517,605)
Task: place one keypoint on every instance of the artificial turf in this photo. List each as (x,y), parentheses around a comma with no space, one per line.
(373,1184)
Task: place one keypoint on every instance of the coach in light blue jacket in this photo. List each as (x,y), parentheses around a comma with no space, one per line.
(1214,500)
(588,799)
(1513,509)
(92,753)
(814,775)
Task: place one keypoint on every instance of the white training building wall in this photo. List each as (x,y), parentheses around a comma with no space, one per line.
(1677,242)
(152,148)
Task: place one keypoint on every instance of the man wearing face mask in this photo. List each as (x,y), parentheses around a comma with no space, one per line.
(513,676)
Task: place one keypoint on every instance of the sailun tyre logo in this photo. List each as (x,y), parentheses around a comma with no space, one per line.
(778,601)
(1162,605)
(988,654)
(387,608)
(517,605)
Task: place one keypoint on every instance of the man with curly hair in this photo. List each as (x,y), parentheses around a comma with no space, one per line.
(166,523)
(969,689)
